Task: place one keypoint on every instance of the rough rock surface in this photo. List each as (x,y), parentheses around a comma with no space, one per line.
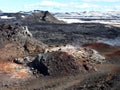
(66,60)
(82,53)
(59,63)
(17,41)
(75,34)
(18,45)
(103,82)
(42,17)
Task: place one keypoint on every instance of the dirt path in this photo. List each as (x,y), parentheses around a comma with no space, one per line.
(105,72)
(65,83)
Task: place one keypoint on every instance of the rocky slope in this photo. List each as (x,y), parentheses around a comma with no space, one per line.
(61,63)
(75,34)
(22,57)
(17,41)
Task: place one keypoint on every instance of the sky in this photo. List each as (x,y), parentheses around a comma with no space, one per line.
(59,5)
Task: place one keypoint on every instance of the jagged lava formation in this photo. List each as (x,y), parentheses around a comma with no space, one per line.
(23,57)
(16,41)
(60,62)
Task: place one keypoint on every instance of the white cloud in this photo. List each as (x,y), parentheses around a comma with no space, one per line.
(46,3)
(109,8)
(86,5)
(101,0)
(52,3)
(64,6)
(54,6)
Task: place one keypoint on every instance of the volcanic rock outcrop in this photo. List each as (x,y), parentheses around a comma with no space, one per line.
(56,64)
(17,41)
(19,46)
(59,63)
(66,60)
(82,53)
(22,57)
(43,17)
(28,18)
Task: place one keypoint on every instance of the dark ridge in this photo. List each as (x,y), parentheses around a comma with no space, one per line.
(45,14)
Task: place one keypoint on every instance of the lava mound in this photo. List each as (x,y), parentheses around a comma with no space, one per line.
(17,41)
(55,64)
(61,63)
(40,17)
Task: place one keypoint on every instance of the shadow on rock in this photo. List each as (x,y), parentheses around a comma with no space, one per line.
(39,66)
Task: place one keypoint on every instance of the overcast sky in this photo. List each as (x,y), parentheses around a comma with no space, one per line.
(59,5)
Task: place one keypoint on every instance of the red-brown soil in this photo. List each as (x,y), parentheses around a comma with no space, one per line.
(100,46)
(13,70)
(11,51)
(114,54)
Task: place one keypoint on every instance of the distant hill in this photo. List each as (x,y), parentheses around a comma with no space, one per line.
(88,16)
(41,16)
(35,16)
